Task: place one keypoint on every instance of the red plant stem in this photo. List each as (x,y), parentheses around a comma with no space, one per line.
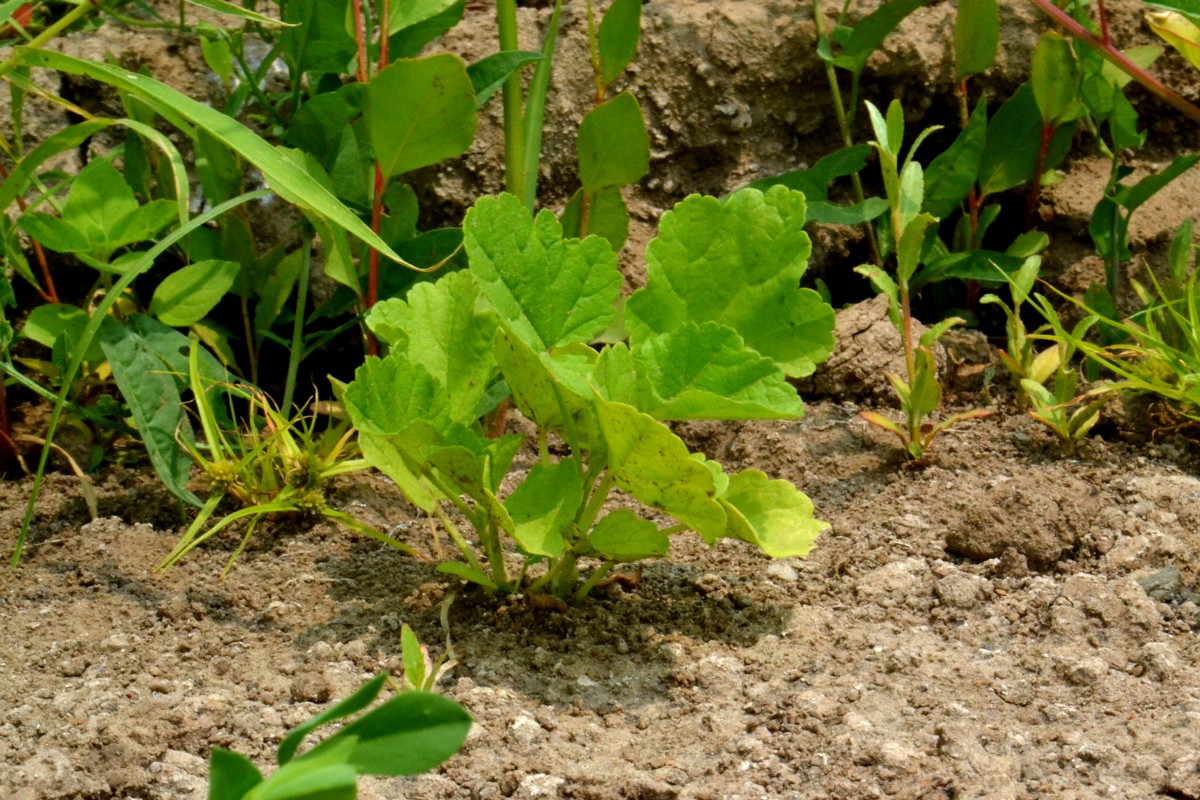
(50,294)
(1103,23)
(1120,60)
(360,38)
(8,450)
(373,257)
(1036,184)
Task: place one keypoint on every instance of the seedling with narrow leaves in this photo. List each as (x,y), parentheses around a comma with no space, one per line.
(920,394)
(714,334)
(272,465)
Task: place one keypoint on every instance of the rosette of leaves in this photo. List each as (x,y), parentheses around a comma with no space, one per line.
(720,326)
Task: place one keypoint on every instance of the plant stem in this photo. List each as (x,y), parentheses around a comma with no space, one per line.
(514,125)
(297,348)
(843,121)
(1119,60)
(592,580)
(1036,184)
(49,294)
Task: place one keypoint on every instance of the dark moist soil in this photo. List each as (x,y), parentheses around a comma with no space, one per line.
(1000,623)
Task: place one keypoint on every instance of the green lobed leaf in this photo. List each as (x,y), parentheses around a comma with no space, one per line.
(448,334)
(622,535)
(705,371)
(976,36)
(613,146)
(409,734)
(618,37)
(773,515)
(389,394)
(190,292)
(549,290)
(543,505)
(738,263)
(418,112)
(652,464)
(539,390)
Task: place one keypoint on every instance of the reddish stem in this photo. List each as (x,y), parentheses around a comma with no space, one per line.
(360,38)
(1103,23)
(1036,185)
(50,294)
(1120,60)
(8,450)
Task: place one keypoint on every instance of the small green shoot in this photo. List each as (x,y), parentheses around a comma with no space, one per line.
(921,394)
(407,735)
(1021,357)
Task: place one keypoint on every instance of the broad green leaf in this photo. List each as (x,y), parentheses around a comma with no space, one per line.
(1015,133)
(985,266)
(360,699)
(419,111)
(652,464)
(912,240)
(976,36)
(543,505)
(302,780)
(855,214)
(705,371)
(549,290)
(613,146)
(447,334)
(409,734)
(870,32)
(190,292)
(951,174)
(318,40)
(771,514)
(230,776)
(912,192)
(607,217)
(389,394)
(738,263)
(1054,76)
(614,375)
(282,171)
(385,454)
(99,216)
(408,13)
(624,536)
(488,74)
(153,397)
(413,656)
(46,323)
(319,125)
(814,181)
(618,37)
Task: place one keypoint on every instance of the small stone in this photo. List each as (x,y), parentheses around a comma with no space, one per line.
(963,591)
(311,687)
(1159,660)
(1088,672)
(897,756)
(539,784)
(783,571)
(1165,585)
(526,729)
(73,667)
(1015,692)
(117,642)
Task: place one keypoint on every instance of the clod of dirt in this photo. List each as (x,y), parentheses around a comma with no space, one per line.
(1041,522)
(868,348)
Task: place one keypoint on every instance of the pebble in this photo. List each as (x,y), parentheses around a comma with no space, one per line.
(526,729)
(1088,672)
(539,784)
(783,571)
(963,591)
(1159,660)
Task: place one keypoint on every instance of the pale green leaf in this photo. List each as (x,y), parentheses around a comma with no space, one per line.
(543,505)
(651,463)
(549,290)
(448,334)
(624,536)
(773,515)
(705,371)
(388,394)
(738,263)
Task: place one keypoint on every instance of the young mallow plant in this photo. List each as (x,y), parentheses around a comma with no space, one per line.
(719,328)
